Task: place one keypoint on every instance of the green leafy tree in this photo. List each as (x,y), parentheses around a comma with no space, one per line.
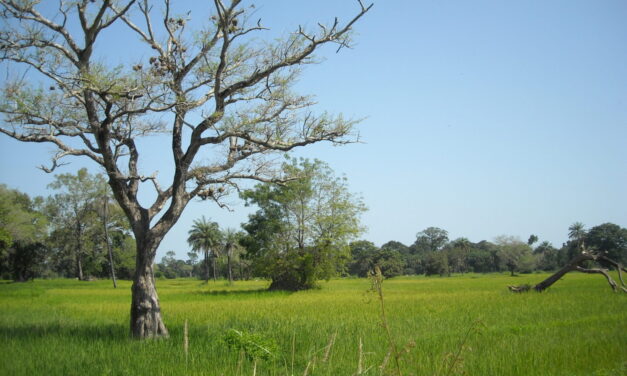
(390,261)
(363,253)
(546,256)
(437,263)
(76,225)
(227,95)
(205,236)
(170,267)
(431,239)
(609,238)
(514,254)
(459,253)
(302,229)
(22,235)
(390,258)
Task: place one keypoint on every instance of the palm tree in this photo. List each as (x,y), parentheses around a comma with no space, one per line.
(205,236)
(231,246)
(576,233)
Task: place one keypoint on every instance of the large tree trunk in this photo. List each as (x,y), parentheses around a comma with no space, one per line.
(575,265)
(146,321)
(572,265)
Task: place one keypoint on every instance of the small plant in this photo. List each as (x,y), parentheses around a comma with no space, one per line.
(254,346)
(453,362)
(376,278)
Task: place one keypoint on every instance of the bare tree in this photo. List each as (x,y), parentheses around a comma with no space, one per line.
(223,92)
(578,264)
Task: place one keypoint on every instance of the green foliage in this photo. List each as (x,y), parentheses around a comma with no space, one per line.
(514,254)
(437,263)
(254,345)
(22,234)
(76,214)
(205,236)
(367,257)
(610,239)
(430,239)
(362,256)
(302,228)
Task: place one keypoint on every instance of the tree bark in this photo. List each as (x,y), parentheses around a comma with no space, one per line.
(146,321)
(572,265)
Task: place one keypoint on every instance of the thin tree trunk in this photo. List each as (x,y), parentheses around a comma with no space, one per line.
(79,252)
(228,261)
(79,267)
(206,266)
(213,259)
(107,241)
(146,321)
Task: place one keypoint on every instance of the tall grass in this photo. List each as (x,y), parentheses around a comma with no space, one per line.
(65,327)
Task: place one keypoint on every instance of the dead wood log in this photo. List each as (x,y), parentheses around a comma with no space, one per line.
(575,265)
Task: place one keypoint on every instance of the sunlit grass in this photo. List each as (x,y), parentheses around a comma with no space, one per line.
(66,327)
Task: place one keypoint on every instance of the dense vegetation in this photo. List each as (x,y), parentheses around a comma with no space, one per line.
(303,232)
(64,327)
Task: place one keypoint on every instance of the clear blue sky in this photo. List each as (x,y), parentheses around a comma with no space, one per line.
(483,118)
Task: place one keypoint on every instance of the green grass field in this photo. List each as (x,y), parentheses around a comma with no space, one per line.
(66,327)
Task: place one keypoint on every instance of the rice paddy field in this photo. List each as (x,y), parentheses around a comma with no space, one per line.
(468,325)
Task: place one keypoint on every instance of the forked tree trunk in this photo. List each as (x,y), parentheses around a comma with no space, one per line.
(146,321)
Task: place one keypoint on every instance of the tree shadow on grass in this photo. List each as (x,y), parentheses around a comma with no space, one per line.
(86,332)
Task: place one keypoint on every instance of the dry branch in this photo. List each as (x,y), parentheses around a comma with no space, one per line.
(576,265)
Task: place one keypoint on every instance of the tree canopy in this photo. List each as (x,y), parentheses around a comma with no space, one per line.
(223,97)
(302,229)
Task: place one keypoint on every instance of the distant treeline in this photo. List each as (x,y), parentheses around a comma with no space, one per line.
(434,254)
(69,234)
